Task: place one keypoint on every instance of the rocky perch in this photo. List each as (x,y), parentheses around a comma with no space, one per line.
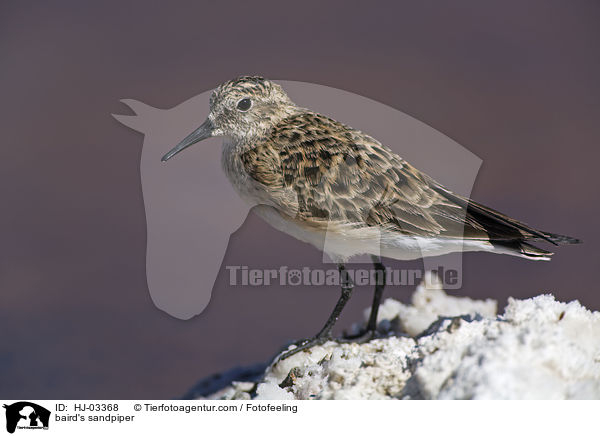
(440,347)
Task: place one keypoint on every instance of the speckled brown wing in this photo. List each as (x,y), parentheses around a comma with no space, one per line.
(320,171)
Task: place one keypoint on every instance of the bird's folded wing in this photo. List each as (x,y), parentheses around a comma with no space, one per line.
(318,171)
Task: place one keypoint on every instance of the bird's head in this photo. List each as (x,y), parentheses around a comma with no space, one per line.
(244,109)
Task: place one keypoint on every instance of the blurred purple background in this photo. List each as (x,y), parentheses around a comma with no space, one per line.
(516,83)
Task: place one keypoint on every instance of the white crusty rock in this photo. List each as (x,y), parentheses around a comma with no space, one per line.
(444,347)
(428,303)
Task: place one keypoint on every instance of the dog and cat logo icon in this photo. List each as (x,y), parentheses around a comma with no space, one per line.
(26,415)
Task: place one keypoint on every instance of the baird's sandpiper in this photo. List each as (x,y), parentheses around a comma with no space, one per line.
(320,180)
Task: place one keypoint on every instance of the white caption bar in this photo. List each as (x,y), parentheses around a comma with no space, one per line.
(300,417)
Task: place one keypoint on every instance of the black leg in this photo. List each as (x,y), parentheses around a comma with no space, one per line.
(380,277)
(347,287)
(325,333)
(370,332)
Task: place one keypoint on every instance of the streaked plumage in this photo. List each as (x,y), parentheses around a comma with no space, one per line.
(344,192)
(318,175)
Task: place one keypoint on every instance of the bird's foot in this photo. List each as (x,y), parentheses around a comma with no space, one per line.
(363,336)
(302,345)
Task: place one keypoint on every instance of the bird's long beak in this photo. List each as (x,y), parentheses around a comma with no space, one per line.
(202,132)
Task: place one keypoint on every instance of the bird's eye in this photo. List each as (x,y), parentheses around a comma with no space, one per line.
(244,104)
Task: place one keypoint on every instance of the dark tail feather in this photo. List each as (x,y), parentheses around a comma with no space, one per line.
(561,239)
(500,226)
